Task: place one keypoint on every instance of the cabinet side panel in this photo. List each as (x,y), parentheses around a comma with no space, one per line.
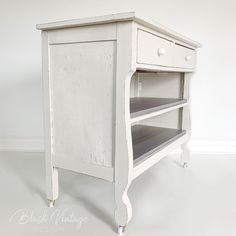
(82,90)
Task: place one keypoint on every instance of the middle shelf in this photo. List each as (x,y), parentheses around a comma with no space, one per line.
(146,107)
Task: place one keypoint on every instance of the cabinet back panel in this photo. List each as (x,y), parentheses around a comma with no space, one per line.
(82,101)
(166,120)
(162,85)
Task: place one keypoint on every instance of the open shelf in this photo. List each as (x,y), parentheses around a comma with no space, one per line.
(147,140)
(145,107)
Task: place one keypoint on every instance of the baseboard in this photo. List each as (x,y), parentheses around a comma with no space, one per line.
(29,144)
(215,147)
(209,147)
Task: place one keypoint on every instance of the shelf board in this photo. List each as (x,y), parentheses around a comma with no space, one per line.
(147,140)
(146,107)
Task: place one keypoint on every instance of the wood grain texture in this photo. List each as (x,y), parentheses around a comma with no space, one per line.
(145,105)
(147,140)
(144,165)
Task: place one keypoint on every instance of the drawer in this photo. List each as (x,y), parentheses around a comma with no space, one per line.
(184,57)
(154,50)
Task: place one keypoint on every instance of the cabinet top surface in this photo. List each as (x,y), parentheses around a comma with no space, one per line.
(119,17)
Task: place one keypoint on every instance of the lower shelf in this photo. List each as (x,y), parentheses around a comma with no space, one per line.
(148,140)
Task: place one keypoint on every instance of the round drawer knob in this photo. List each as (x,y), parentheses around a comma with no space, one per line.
(188,58)
(161,51)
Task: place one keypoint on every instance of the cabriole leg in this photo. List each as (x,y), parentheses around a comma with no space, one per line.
(123,138)
(123,211)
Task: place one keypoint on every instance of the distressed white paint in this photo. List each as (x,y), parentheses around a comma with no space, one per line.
(51,170)
(79,132)
(154,50)
(186,119)
(126,55)
(87,85)
(119,17)
(83,34)
(184,57)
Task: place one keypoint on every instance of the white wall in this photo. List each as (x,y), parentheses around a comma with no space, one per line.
(206,21)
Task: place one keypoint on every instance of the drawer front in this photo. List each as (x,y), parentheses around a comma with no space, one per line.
(184,57)
(154,50)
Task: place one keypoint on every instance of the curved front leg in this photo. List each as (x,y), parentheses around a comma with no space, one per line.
(123,153)
(123,211)
(125,68)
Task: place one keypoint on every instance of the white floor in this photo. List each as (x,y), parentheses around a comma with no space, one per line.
(167,200)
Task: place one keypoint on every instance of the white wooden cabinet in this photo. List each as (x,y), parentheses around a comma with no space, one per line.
(116,99)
